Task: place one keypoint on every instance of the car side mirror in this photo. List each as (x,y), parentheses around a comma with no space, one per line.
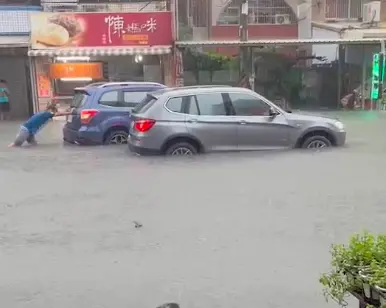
(273,112)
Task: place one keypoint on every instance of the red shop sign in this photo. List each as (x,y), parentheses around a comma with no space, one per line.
(62,30)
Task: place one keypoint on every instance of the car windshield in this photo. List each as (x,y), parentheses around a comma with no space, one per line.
(79,99)
(145,104)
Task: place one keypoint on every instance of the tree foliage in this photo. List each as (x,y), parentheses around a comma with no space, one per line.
(196,61)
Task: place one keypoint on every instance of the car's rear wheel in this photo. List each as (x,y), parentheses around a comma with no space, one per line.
(316,142)
(116,137)
(181,149)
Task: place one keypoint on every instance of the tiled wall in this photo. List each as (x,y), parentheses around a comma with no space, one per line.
(15,20)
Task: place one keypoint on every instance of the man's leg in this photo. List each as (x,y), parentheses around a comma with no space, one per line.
(31,140)
(21,137)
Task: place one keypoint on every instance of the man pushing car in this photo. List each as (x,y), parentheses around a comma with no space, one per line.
(32,126)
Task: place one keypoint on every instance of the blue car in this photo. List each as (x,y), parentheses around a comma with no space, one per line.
(101,111)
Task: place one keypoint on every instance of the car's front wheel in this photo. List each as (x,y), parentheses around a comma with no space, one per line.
(116,137)
(181,149)
(316,142)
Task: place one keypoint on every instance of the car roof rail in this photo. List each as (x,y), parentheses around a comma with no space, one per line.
(205,86)
(96,84)
(198,87)
(201,87)
(127,83)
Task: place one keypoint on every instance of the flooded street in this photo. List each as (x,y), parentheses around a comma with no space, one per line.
(219,230)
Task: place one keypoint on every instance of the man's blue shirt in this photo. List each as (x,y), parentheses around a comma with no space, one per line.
(34,123)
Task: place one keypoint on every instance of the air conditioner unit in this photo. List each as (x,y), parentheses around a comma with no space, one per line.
(371,11)
(282,19)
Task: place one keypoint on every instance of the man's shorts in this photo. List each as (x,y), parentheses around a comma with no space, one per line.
(24,136)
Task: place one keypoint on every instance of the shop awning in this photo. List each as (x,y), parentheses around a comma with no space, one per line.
(14,41)
(159,50)
(294,42)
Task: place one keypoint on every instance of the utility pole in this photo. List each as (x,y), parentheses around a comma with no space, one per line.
(243,35)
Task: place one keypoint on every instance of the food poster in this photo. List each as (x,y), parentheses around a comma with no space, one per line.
(69,30)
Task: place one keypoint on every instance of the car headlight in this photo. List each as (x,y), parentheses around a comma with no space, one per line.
(339,125)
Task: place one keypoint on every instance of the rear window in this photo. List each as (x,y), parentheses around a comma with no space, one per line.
(132,99)
(78,99)
(146,103)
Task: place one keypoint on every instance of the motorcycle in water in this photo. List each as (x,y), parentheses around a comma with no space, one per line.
(352,101)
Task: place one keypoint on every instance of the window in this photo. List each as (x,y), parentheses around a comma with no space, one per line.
(110,99)
(262,12)
(78,99)
(192,108)
(132,99)
(211,104)
(248,105)
(175,104)
(343,9)
(145,105)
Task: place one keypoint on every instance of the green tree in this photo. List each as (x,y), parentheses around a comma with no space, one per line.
(196,61)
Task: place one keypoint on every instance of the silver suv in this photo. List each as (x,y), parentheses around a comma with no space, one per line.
(191,120)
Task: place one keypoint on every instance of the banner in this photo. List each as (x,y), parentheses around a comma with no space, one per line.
(178,68)
(92,70)
(69,30)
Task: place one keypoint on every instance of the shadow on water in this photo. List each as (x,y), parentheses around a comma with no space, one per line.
(58,156)
(227,157)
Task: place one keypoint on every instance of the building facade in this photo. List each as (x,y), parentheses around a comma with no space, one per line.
(14,42)
(74,43)
(350,19)
(219,19)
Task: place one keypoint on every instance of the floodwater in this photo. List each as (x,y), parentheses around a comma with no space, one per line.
(220,230)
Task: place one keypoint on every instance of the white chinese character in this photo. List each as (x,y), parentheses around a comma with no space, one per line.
(133,28)
(115,25)
(150,25)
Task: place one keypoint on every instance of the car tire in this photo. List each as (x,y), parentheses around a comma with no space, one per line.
(181,149)
(316,142)
(116,137)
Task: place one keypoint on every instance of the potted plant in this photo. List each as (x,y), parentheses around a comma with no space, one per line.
(365,275)
(350,267)
(377,272)
(377,280)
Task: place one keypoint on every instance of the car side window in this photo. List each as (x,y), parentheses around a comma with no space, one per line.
(248,105)
(132,99)
(110,98)
(175,104)
(192,107)
(211,104)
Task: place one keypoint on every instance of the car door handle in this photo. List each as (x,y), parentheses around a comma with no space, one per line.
(242,122)
(192,120)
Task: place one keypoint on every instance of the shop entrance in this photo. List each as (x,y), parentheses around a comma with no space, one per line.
(58,72)
(14,68)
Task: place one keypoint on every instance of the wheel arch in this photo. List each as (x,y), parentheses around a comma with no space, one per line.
(182,138)
(319,131)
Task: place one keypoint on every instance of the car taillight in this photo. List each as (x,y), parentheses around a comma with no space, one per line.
(87,114)
(143,125)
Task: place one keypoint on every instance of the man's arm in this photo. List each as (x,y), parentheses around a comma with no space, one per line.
(59,114)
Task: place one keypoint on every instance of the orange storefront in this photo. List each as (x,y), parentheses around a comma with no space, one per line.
(70,50)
